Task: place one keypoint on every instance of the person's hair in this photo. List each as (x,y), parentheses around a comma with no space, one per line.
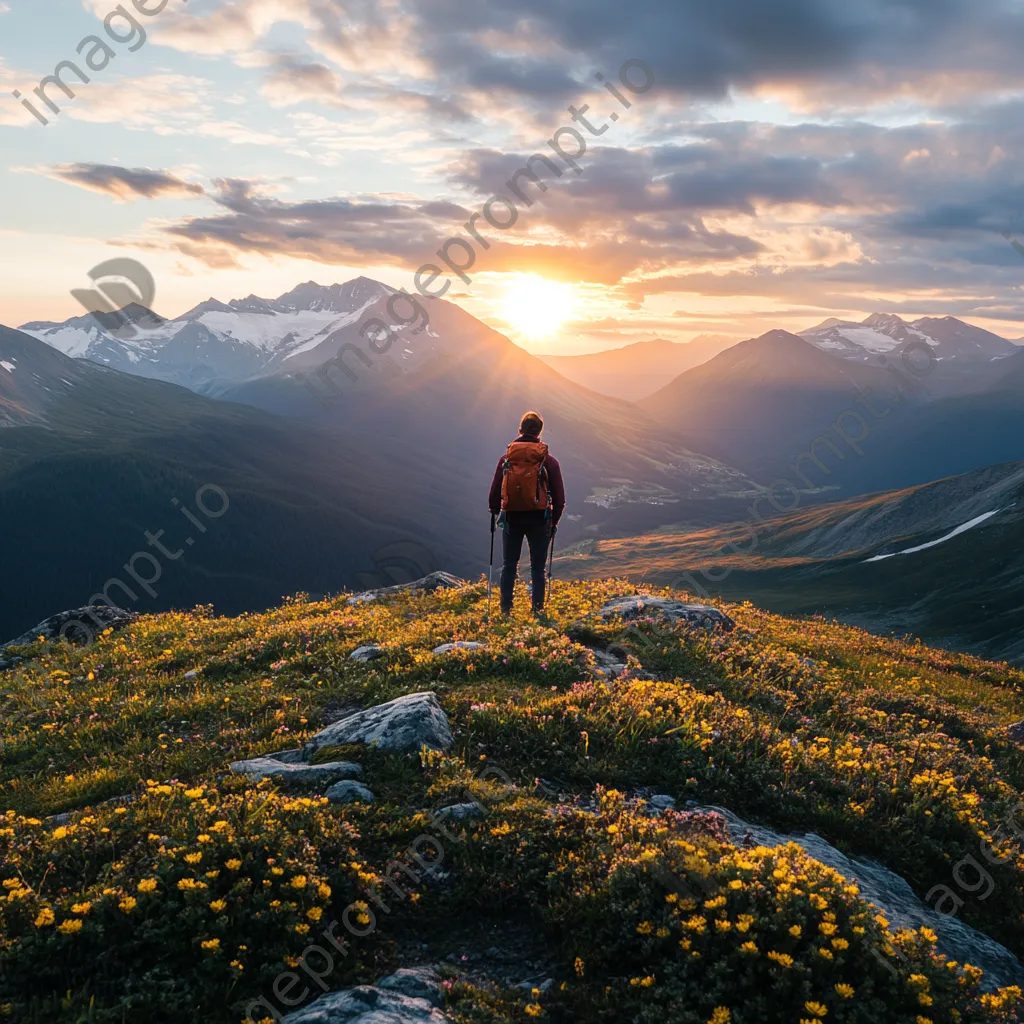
(531,424)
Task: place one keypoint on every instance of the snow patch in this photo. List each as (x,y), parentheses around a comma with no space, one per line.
(9,367)
(934,543)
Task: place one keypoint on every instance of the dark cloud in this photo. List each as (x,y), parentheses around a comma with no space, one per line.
(871,48)
(125,183)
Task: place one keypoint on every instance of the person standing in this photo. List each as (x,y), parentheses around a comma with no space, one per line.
(528,497)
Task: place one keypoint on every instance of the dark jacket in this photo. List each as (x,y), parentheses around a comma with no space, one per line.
(555,484)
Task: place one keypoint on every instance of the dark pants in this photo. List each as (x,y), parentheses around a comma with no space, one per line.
(534,527)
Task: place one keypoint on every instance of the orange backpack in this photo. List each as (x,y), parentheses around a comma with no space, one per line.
(524,482)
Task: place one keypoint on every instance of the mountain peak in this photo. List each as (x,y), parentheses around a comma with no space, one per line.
(336,298)
(884,320)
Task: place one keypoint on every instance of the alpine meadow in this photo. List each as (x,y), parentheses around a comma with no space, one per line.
(512,511)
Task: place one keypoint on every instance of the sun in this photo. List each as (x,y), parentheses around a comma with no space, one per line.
(537,308)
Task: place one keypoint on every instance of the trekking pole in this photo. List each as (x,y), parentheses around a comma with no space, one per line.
(490,569)
(551,556)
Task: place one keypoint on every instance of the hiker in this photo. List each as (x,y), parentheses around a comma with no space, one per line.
(528,497)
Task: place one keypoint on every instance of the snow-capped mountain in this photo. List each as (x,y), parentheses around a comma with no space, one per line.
(216,341)
(949,338)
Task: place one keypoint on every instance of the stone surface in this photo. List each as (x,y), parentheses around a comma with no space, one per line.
(462,812)
(894,897)
(639,606)
(299,774)
(94,619)
(426,585)
(607,664)
(662,802)
(405,997)
(460,645)
(293,756)
(1016,732)
(405,723)
(56,820)
(349,792)
(368,652)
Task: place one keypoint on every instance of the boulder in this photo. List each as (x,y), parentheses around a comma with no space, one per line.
(405,997)
(894,897)
(460,645)
(299,774)
(368,652)
(405,723)
(702,616)
(462,812)
(1016,732)
(426,585)
(80,625)
(349,792)
(662,802)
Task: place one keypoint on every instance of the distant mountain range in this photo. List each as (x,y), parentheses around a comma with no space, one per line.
(848,420)
(402,452)
(368,445)
(92,458)
(881,333)
(218,341)
(943,561)
(638,370)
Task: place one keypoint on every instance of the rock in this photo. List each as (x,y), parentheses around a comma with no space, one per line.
(297,773)
(405,997)
(662,802)
(1016,731)
(607,664)
(460,645)
(416,983)
(462,812)
(349,792)
(368,652)
(894,897)
(702,616)
(80,625)
(192,673)
(542,987)
(405,723)
(56,820)
(294,756)
(426,585)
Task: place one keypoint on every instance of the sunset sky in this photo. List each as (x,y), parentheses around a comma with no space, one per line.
(794,160)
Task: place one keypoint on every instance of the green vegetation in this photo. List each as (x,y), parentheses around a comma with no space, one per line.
(188,901)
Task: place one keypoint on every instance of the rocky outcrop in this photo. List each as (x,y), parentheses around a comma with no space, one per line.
(405,723)
(426,585)
(297,773)
(637,606)
(409,996)
(349,792)
(894,897)
(1016,732)
(79,625)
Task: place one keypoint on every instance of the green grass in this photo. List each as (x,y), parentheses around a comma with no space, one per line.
(886,748)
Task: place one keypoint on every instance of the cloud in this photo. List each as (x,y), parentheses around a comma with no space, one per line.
(123,183)
(811,53)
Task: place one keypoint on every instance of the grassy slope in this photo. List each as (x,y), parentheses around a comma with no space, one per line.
(888,749)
